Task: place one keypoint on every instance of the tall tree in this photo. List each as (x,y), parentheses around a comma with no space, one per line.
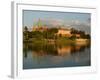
(26,33)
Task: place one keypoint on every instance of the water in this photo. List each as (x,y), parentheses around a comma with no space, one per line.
(53,55)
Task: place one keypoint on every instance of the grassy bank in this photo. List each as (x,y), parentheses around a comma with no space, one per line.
(58,41)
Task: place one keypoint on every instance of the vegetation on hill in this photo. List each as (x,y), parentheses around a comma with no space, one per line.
(50,35)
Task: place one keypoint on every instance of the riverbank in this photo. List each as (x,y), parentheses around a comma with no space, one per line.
(60,41)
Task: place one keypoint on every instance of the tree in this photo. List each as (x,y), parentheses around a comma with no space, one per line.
(53,30)
(74,31)
(26,33)
(60,35)
(37,34)
(88,36)
(25,29)
(73,37)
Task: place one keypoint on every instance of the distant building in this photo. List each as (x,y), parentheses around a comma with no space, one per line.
(39,27)
(77,35)
(64,32)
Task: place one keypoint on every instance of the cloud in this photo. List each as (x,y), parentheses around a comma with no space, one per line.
(79,25)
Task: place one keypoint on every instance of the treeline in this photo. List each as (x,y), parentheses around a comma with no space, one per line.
(47,34)
(82,33)
(51,34)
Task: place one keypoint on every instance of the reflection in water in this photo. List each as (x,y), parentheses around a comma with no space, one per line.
(54,55)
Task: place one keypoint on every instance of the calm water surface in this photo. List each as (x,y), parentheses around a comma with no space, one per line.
(53,55)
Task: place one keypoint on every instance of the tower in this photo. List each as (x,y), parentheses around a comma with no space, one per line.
(39,23)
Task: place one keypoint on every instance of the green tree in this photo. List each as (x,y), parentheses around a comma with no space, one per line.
(73,37)
(52,32)
(37,34)
(25,29)
(88,36)
(26,33)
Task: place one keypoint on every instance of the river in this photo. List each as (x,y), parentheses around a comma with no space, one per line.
(53,56)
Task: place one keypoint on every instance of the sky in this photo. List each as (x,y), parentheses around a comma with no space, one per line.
(80,21)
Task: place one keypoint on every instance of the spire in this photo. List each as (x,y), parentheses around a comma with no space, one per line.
(39,23)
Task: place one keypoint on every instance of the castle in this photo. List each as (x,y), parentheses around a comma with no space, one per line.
(62,31)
